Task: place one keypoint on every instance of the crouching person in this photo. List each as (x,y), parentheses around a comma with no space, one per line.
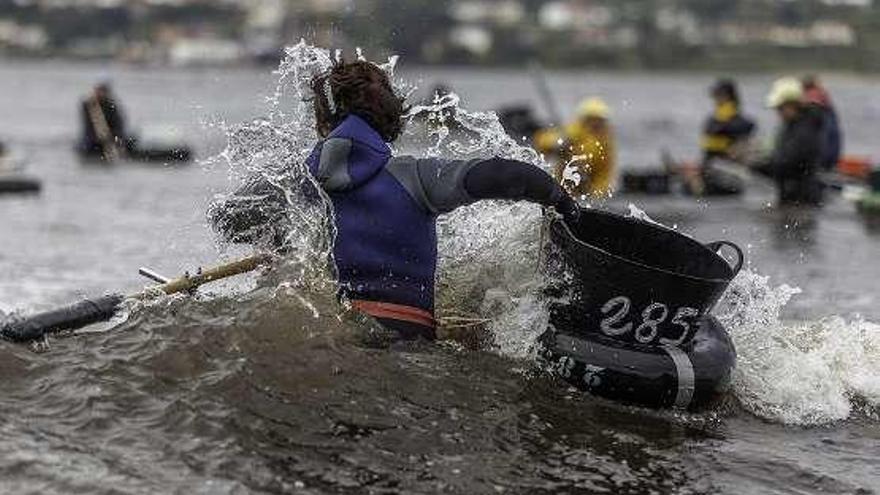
(386,207)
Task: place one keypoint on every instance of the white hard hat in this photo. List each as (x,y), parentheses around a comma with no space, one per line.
(785,90)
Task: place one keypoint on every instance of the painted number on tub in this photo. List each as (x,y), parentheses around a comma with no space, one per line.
(615,322)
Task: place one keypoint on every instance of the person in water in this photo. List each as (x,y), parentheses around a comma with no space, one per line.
(386,207)
(726,130)
(797,152)
(816,95)
(584,150)
(104,131)
(726,137)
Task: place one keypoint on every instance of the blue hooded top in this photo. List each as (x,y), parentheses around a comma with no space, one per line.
(386,209)
(386,244)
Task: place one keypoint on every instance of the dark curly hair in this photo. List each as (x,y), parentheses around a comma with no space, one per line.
(361,88)
(726,87)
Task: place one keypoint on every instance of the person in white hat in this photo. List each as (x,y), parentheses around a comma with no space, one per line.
(584,150)
(797,152)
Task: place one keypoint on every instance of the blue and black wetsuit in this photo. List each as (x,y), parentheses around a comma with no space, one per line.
(386,210)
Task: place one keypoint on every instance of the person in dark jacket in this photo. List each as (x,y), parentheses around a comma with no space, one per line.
(797,152)
(832,137)
(386,207)
(103,124)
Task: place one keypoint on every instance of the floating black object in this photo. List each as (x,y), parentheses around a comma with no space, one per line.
(691,377)
(649,182)
(88,311)
(135,153)
(636,281)
(519,122)
(71,317)
(179,154)
(18,184)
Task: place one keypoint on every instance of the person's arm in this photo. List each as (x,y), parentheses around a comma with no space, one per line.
(253,214)
(833,142)
(442,186)
(499,178)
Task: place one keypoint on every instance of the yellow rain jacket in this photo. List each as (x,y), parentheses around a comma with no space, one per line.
(723,129)
(585,160)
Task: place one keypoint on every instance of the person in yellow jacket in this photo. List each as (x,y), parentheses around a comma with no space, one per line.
(583,151)
(726,128)
(726,137)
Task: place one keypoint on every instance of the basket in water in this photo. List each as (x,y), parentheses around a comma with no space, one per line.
(637,281)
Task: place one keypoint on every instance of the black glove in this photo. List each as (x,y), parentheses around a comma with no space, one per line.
(568,208)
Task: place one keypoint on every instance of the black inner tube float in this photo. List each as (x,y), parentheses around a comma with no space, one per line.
(634,322)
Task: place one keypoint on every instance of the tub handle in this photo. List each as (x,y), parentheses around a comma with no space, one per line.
(740,257)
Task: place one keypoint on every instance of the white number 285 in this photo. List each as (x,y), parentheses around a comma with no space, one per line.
(616,310)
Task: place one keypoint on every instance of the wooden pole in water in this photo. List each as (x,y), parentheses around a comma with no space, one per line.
(189,282)
(90,311)
(102,129)
(540,80)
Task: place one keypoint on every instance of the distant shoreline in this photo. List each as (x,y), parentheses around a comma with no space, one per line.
(104,63)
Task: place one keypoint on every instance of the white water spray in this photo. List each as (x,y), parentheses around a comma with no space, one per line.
(811,372)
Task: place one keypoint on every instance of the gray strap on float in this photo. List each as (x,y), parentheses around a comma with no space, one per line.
(685,371)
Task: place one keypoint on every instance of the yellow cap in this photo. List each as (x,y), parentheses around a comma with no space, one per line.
(785,90)
(593,107)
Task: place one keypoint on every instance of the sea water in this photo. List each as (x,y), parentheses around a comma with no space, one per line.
(267,385)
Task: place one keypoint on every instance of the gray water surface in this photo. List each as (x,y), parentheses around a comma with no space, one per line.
(229,394)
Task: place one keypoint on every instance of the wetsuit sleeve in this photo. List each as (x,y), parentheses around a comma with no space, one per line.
(444,185)
(499,178)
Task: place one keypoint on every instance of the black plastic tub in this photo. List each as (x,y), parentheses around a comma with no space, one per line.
(636,281)
(689,377)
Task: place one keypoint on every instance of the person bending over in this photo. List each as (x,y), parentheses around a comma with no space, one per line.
(797,152)
(385,206)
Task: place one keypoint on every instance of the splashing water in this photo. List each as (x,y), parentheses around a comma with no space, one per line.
(489,252)
(797,373)
(800,373)
(272,151)
(492,245)
(571,170)
(640,214)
